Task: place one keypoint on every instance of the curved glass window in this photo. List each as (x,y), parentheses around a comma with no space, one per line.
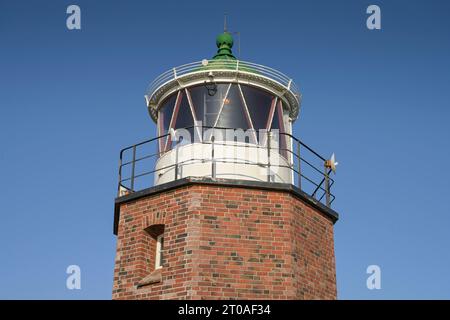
(206,106)
(258,104)
(184,117)
(278,124)
(234,105)
(234,113)
(164,119)
(165,114)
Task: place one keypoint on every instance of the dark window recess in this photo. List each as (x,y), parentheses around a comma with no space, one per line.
(161,249)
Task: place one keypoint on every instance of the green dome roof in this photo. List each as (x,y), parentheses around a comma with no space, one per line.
(224,42)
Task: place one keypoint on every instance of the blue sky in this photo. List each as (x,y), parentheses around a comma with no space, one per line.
(70,100)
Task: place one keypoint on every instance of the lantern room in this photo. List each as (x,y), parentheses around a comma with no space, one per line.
(224,118)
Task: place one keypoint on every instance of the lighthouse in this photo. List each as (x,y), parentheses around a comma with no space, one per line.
(224,202)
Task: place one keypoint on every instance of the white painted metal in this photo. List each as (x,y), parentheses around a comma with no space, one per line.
(234,160)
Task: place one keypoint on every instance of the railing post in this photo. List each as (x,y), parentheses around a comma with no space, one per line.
(213,162)
(120,175)
(269,137)
(289,84)
(133,165)
(299,172)
(176,162)
(327,185)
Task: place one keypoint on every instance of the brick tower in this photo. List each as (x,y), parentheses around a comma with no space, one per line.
(225,203)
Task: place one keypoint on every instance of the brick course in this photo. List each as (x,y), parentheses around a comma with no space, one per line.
(225,242)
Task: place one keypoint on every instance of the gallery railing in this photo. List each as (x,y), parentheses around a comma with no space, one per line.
(137,164)
(220,65)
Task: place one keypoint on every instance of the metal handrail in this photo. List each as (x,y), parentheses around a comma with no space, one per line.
(295,157)
(220,65)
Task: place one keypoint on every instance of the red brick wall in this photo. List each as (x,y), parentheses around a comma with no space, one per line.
(225,242)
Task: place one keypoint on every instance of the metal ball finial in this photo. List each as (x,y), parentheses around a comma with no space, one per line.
(224,40)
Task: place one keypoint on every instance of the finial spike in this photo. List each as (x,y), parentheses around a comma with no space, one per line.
(225,22)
